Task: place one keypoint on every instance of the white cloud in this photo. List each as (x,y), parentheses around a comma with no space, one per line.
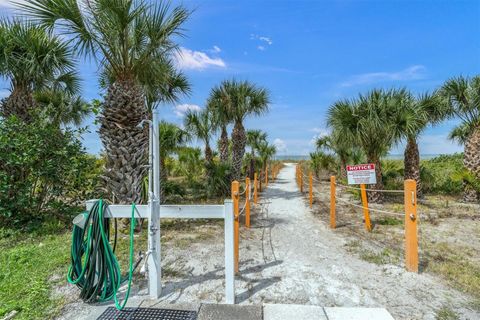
(197,60)
(181,109)
(280,145)
(267,40)
(411,73)
(216,49)
(264,41)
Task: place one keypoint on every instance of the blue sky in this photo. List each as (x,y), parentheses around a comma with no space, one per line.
(311,53)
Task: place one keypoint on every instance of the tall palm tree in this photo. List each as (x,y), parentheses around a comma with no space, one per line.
(462,96)
(132,41)
(200,124)
(254,139)
(245,99)
(419,113)
(374,122)
(219,102)
(172,138)
(32,59)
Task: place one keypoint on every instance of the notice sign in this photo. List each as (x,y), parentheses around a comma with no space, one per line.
(361,174)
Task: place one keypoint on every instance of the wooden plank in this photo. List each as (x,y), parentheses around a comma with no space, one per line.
(166,211)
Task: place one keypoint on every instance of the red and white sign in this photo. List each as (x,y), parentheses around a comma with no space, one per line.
(361,174)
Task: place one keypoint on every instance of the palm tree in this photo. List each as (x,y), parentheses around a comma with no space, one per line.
(462,96)
(132,41)
(172,138)
(33,60)
(374,122)
(62,108)
(254,139)
(244,99)
(190,160)
(418,114)
(219,102)
(321,161)
(266,151)
(200,124)
(344,149)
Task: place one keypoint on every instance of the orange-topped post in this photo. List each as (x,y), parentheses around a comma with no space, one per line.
(333,223)
(411,238)
(366,212)
(255,188)
(236,223)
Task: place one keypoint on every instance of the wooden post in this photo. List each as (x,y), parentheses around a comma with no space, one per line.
(300,175)
(366,212)
(332,202)
(247,202)
(255,188)
(310,188)
(411,240)
(236,225)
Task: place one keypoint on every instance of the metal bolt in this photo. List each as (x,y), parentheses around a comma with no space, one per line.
(412,217)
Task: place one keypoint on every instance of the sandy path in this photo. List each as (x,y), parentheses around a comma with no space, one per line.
(309,265)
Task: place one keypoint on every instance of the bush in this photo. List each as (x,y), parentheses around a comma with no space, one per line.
(43,170)
(439,174)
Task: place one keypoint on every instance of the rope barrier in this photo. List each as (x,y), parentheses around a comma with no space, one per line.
(242,211)
(373,190)
(370,208)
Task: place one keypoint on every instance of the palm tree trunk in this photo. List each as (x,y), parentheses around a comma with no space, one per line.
(471,161)
(412,164)
(239,141)
(374,196)
(125,144)
(343,168)
(20,103)
(252,166)
(224,145)
(208,153)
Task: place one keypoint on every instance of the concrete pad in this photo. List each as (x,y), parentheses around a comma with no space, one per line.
(230,312)
(292,311)
(357,314)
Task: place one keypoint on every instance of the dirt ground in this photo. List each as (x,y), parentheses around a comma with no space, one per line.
(290,255)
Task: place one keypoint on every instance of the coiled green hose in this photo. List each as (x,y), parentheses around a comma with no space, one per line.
(99,276)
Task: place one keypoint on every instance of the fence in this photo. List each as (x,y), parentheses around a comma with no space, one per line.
(250,192)
(409,208)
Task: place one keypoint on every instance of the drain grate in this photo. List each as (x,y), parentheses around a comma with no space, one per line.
(147,314)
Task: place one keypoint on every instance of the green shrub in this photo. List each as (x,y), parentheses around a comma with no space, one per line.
(43,169)
(439,174)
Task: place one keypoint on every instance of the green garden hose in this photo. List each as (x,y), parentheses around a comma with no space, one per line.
(99,276)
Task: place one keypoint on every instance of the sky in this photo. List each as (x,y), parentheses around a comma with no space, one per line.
(309,54)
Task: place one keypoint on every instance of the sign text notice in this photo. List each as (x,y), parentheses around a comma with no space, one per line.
(361,174)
